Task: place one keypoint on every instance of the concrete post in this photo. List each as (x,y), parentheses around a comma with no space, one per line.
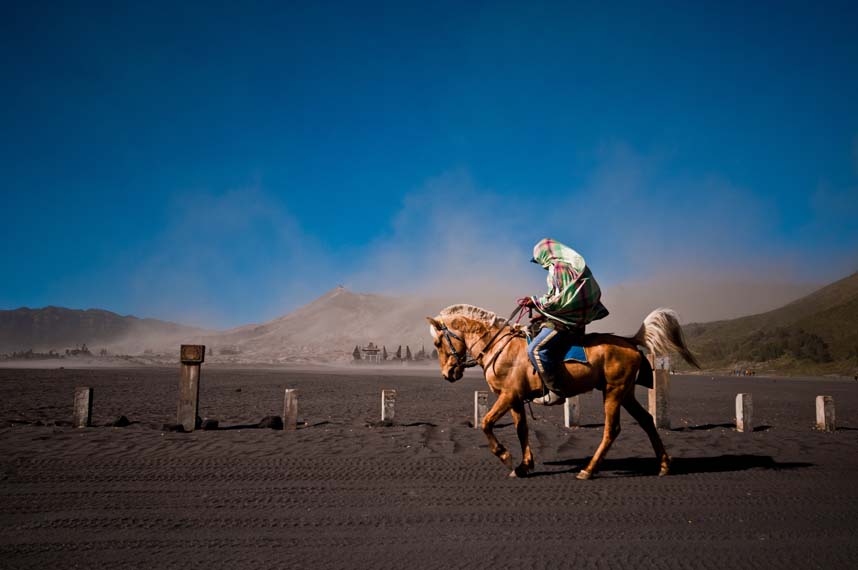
(825,413)
(82,407)
(481,408)
(192,356)
(744,413)
(572,412)
(659,397)
(388,405)
(290,410)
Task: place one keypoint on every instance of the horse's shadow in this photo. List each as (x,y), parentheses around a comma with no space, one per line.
(701,427)
(644,466)
(707,427)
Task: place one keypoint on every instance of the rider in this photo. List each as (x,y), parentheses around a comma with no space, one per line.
(572,301)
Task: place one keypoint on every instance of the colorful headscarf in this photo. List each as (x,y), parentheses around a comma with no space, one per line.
(573,296)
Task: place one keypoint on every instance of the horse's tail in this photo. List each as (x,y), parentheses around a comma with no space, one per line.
(661,334)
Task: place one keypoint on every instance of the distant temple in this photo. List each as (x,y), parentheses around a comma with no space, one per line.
(371,353)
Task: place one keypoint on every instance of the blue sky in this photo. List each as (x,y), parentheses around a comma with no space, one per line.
(223,163)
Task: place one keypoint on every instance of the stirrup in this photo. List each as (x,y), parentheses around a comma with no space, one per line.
(550,399)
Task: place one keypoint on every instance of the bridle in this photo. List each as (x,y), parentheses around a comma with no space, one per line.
(467,360)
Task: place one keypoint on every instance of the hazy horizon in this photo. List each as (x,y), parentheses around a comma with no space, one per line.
(628,303)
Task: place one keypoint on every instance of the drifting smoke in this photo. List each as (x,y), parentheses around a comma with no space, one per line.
(454,244)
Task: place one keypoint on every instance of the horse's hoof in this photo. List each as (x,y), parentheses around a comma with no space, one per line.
(521,472)
(665,470)
(584,475)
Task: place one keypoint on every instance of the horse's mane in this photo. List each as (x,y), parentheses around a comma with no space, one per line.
(488,318)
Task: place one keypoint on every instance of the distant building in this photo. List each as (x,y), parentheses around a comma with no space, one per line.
(371,353)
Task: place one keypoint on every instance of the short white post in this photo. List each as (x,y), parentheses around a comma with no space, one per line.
(825,413)
(744,413)
(290,409)
(481,408)
(572,412)
(659,398)
(82,407)
(388,405)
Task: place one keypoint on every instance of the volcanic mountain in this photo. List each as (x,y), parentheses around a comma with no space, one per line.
(325,330)
(329,328)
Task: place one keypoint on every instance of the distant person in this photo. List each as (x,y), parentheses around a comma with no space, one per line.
(572,302)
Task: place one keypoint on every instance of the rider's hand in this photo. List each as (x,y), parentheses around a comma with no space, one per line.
(526,302)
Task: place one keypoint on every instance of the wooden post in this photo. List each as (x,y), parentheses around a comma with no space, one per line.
(388,405)
(82,407)
(825,413)
(572,412)
(481,408)
(290,410)
(744,413)
(659,398)
(192,356)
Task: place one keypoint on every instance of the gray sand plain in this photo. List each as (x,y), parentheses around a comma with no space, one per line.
(344,492)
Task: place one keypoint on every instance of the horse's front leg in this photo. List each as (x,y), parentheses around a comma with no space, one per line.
(501,407)
(519,417)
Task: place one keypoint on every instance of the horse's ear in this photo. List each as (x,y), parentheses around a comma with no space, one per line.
(436,326)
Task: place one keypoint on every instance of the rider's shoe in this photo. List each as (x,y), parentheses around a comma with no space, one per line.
(550,399)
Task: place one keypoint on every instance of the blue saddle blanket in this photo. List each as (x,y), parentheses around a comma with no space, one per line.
(576,354)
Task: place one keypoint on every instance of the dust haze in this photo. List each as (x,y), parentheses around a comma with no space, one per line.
(652,238)
(642,252)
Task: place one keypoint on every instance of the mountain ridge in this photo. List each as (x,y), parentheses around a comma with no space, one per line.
(57,328)
(817,333)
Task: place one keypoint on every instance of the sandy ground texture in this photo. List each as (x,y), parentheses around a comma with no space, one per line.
(344,492)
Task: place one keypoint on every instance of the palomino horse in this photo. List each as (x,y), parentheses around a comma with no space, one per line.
(613,364)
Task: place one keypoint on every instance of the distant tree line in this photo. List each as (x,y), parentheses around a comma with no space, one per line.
(357,354)
(30,354)
(78,351)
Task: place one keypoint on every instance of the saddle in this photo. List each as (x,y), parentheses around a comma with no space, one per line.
(574,350)
(574,340)
(575,353)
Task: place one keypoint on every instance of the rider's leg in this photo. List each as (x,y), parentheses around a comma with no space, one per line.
(541,352)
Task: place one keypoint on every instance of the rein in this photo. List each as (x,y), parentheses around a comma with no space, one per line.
(469,361)
(519,310)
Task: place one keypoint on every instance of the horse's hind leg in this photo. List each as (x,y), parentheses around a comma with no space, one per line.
(520,420)
(612,400)
(501,407)
(640,415)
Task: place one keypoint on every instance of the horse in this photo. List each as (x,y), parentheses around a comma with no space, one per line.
(612,367)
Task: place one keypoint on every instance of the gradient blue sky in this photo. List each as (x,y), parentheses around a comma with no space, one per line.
(222,163)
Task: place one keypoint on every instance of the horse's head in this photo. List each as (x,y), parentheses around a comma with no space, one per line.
(452,352)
